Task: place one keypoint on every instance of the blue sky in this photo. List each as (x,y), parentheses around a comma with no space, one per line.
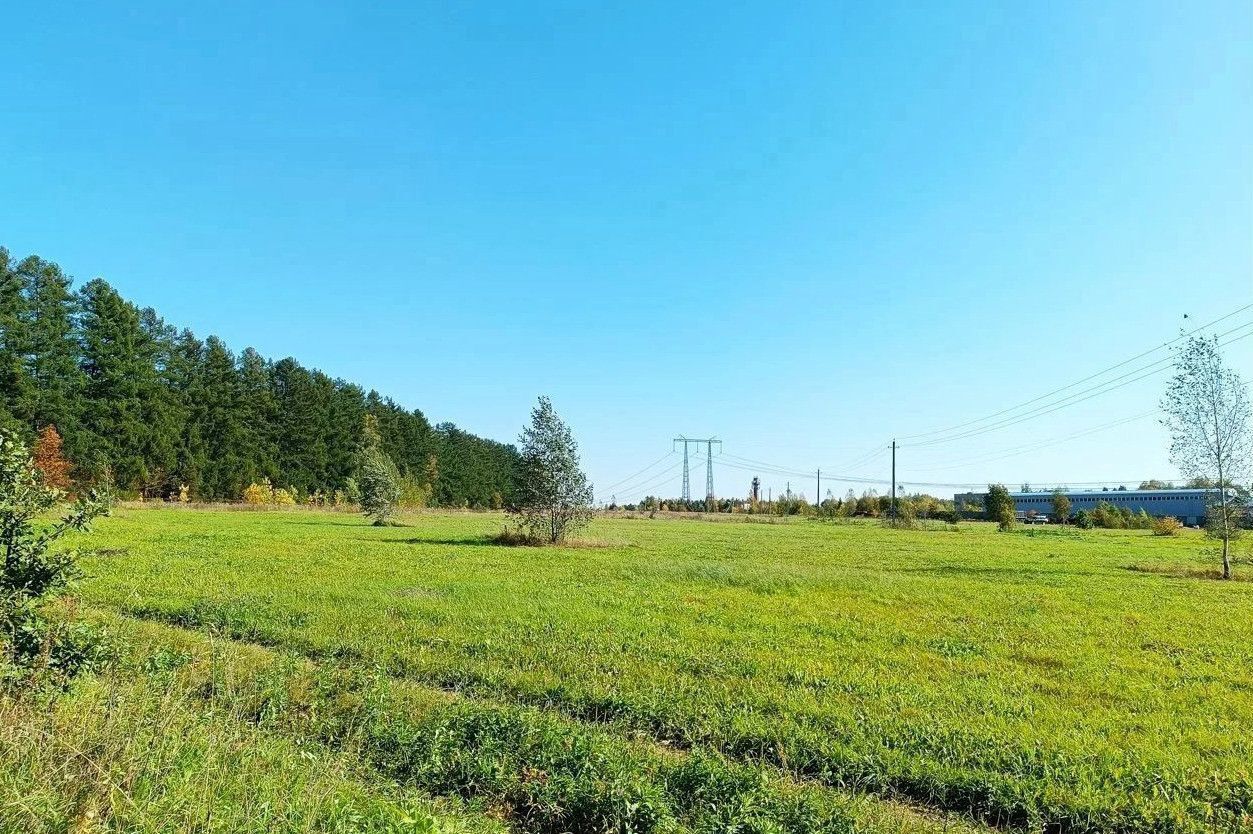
(803,229)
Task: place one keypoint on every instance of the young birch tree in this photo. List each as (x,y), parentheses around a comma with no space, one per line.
(1207,414)
(555,498)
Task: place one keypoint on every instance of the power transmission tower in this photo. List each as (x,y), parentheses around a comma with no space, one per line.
(709,467)
(687,489)
(709,474)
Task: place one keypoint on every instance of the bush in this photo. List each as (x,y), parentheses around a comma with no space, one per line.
(261,493)
(906,516)
(283,497)
(1083,520)
(414,495)
(352,491)
(517,537)
(1167,526)
(32,574)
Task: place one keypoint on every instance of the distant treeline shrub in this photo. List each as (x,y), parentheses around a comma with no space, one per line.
(870,504)
(266,493)
(1111,517)
(149,409)
(1167,526)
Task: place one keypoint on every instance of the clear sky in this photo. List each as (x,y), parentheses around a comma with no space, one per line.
(802,228)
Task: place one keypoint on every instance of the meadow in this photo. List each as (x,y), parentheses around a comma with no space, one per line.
(304,671)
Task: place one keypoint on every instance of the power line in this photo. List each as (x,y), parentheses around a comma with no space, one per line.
(1149,370)
(1142,372)
(992,457)
(1078,382)
(873,455)
(630,478)
(653,482)
(639,484)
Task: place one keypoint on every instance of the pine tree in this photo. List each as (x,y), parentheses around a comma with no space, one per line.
(258,418)
(166,412)
(183,378)
(16,390)
(122,395)
(221,429)
(52,359)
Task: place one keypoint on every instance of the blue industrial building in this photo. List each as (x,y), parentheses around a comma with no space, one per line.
(1187,505)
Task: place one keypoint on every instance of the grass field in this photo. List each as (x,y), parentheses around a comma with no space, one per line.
(680,676)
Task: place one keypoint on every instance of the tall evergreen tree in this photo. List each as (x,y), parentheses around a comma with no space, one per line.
(15,384)
(183,377)
(300,439)
(52,358)
(165,411)
(121,386)
(258,409)
(222,428)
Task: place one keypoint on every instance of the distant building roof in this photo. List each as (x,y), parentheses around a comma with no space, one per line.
(1135,492)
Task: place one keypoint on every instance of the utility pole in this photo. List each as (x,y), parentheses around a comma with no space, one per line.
(894,479)
(818,496)
(709,466)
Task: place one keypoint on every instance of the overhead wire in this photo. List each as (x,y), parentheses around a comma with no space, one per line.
(653,483)
(631,478)
(648,482)
(973,428)
(1002,454)
(1076,383)
(1149,370)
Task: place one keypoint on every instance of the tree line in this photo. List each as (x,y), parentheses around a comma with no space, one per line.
(152,410)
(870,504)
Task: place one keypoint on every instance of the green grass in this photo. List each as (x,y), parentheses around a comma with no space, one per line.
(143,748)
(710,675)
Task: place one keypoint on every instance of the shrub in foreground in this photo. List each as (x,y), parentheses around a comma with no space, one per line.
(33,573)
